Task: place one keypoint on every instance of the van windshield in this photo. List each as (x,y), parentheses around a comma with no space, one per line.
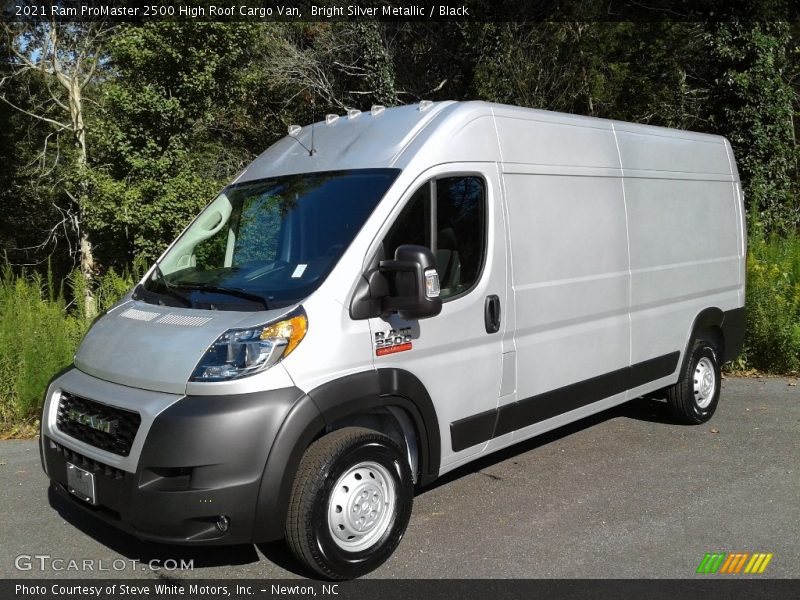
(266,244)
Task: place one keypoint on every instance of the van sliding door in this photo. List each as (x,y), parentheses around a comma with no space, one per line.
(571,292)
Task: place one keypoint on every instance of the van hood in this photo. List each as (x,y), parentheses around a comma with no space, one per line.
(157,347)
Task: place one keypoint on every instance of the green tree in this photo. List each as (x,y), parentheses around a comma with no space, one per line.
(751,103)
(183,110)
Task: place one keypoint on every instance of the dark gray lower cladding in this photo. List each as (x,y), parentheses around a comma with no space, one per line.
(493,423)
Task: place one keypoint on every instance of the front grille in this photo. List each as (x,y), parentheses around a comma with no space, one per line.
(86,463)
(85,420)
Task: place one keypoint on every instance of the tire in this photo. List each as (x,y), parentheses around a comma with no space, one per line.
(694,398)
(351,471)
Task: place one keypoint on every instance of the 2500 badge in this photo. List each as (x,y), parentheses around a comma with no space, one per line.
(392,341)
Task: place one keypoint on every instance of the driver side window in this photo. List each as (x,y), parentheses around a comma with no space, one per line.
(448,215)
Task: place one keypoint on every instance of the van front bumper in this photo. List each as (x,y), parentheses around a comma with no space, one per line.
(202,458)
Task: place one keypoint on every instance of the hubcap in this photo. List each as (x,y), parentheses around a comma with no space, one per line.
(705,382)
(362,506)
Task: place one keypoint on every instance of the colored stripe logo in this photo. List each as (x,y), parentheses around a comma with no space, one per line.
(384,350)
(734,562)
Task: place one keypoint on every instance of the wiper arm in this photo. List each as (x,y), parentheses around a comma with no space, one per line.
(207,287)
(169,288)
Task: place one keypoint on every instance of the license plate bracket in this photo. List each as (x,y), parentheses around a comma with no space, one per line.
(80,483)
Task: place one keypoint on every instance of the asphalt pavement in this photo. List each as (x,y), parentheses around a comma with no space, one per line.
(624,494)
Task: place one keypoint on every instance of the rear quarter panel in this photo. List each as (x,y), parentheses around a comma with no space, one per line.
(685,235)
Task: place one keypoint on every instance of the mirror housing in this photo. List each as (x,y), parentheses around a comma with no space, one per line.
(407,285)
(413,283)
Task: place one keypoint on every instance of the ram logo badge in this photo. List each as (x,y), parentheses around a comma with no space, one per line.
(392,341)
(94,421)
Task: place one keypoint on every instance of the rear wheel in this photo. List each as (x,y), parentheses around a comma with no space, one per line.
(350,503)
(694,398)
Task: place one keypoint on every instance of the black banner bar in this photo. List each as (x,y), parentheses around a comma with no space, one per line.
(712,587)
(34,11)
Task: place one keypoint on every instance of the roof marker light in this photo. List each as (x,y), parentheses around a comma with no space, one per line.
(294,130)
(331,119)
(377,109)
(424,105)
(352,113)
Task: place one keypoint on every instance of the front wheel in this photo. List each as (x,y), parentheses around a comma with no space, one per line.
(350,504)
(694,398)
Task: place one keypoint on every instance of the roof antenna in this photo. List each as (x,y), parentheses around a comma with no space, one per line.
(294,130)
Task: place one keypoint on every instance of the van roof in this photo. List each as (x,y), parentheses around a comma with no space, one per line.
(449,131)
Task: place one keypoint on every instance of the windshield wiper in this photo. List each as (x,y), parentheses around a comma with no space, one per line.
(239,293)
(170,288)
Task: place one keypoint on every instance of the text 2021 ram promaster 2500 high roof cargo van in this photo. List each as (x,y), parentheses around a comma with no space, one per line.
(402,291)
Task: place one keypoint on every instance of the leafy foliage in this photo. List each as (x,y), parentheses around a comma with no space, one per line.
(751,103)
(773,305)
(174,128)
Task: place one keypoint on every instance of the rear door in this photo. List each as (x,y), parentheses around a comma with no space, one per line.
(455,210)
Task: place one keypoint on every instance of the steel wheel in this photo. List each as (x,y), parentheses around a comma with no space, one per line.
(362,506)
(705,382)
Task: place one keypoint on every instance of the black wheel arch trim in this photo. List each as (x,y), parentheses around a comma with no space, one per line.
(296,433)
(353,394)
(730,322)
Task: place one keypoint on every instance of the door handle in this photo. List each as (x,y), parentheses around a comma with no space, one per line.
(491,314)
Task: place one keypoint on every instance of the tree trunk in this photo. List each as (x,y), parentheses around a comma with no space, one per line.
(86,256)
(59,51)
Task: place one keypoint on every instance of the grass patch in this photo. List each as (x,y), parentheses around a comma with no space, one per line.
(772,342)
(39,333)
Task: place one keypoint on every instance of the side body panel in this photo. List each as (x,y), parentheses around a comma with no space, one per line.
(567,228)
(622,239)
(685,235)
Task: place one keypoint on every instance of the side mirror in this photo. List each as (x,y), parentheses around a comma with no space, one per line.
(413,283)
(407,285)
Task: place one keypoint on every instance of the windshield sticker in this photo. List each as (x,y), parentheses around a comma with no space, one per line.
(392,341)
(299,270)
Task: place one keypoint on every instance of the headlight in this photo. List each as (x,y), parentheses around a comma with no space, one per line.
(242,352)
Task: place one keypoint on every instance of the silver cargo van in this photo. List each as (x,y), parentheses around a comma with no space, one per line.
(384,296)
